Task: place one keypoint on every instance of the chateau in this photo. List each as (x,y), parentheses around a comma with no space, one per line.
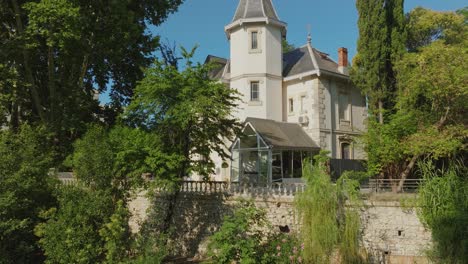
(293,103)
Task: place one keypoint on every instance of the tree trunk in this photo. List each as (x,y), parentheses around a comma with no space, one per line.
(27,66)
(406,172)
(52,90)
(413,160)
(381,112)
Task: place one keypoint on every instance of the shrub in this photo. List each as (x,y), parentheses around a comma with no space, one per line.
(240,237)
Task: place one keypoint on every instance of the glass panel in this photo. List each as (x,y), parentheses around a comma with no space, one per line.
(235,166)
(291,105)
(276,166)
(249,162)
(263,167)
(254,40)
(287,164)
(249,138)
(343,106)
(254,91)
(297,164)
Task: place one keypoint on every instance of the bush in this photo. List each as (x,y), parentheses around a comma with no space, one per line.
(25,190)
(240,237)
(71,233)
(282,248)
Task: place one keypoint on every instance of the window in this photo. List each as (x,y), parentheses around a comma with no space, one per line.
(254,40)
(303,97)
(254,91)
(345,151)
(291,105)
(344,106)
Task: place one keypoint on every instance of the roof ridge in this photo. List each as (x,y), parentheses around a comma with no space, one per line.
(312,56)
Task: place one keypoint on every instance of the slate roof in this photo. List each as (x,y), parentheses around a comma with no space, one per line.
(220,65)
(300,61)
(282,135)
(255,9)
(295,62)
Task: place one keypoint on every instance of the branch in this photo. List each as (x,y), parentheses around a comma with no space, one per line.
(29,75)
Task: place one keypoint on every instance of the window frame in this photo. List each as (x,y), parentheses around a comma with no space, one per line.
(342,150)
(347,111)
(257,84)
(291,105)
(258,40)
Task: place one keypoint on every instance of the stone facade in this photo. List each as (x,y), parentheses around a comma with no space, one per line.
(390,233)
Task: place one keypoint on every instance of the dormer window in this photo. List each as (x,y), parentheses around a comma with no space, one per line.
(254,40)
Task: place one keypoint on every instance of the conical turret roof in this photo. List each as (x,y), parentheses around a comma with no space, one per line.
(255,9)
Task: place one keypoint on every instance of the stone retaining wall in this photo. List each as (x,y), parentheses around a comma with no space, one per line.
(391,234)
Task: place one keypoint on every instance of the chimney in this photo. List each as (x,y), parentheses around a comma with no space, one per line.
(343,60)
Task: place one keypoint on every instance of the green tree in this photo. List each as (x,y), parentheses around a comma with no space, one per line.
(116,235)
(71,233)
(58,53)
(115,159)
(426,26)
(191,114)
(25,190)
(381,43)
(286,46)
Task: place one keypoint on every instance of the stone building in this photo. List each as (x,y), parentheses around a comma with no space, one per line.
(302,99)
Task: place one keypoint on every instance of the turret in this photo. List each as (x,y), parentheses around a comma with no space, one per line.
(255,35)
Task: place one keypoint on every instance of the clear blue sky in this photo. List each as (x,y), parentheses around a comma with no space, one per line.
(333,24)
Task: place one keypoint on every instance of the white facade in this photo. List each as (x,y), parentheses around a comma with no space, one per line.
(304,86)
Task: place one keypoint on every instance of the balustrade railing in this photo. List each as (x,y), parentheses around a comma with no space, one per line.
(281,189)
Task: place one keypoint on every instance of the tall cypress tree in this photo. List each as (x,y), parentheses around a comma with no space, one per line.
(381,43)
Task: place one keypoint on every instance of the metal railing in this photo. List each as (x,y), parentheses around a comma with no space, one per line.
(391,185)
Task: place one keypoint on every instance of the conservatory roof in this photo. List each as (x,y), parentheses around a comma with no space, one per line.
(282,135)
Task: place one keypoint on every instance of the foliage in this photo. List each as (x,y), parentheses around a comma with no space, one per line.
(282,248)
(327,225)
(286,46)
(428,118)
(426,26)
(71,233)
(56,54)
(149,248)
(25,190)
(191,113)
(443,206)
(115,159)
(116,235)
(240,236)
(381,43)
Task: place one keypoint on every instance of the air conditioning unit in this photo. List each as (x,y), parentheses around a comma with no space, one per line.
(303,120)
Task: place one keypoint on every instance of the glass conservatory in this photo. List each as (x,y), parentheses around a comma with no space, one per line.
(270,151)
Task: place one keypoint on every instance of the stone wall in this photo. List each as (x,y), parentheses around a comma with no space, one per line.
(391,234)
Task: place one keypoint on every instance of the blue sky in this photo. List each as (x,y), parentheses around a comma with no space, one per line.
(333,24)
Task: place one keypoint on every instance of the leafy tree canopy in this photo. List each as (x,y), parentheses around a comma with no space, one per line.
(426,26)
(55,55)
(25,190)
(190,113)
